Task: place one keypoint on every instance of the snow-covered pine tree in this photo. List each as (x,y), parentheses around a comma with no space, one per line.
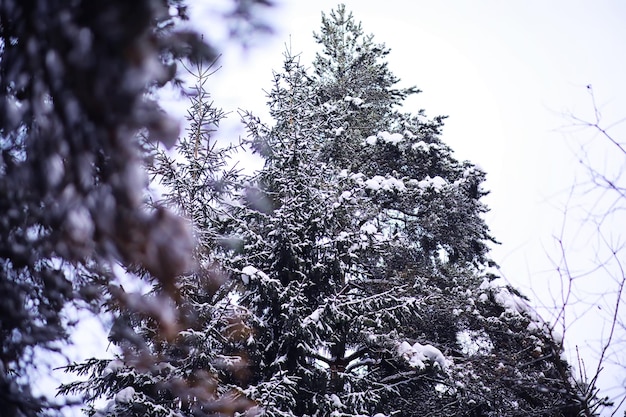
(363,263)
(175,355)
(304,269)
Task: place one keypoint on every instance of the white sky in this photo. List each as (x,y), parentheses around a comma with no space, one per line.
(507,73)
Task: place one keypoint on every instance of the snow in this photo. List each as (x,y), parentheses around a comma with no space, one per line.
(248,272)
(408,134)
(113,366)
(280,360)
(474,342)
(418,353)
(512,303)
(357,178)
(422,146)
(125,396)
(379,182)
(79,224)
(342,236)
(330,107)
(106,410)
(339,131)
(374,183)
(533,326)
(357,101)
(437,183)
(164,366)
(314,317)
(369,228)
(354,100)
(393,138)
(345,195)
(336,401)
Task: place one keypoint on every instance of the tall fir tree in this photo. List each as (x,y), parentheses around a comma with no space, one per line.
(350,69)
(305,239)
(364,106)
(364,261)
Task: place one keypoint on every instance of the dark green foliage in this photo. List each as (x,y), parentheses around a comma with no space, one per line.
(350,65)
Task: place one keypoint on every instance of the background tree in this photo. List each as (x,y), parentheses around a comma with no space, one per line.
(73,78)
(307,232)
(180,363)
(363,101)
(351,69)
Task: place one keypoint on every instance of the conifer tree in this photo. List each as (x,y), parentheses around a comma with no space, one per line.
(175,354)
(350,69)
(307,233)
(364,264)
(373,137)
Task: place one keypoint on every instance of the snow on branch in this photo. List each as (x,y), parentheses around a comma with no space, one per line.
(419,355)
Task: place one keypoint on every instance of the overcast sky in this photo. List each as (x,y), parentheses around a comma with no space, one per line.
(508,74)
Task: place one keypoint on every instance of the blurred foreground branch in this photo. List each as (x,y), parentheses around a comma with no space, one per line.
(73,82)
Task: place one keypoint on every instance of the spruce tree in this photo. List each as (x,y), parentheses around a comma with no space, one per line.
(374,138)
(307,234)
(175,356)
(364,262)
(351,74)
(74,78)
